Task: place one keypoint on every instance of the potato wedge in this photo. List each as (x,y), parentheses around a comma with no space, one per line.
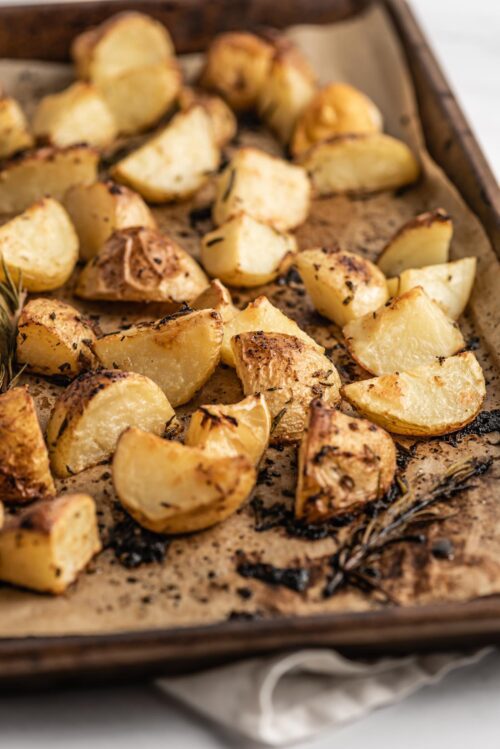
(262,315)
(238,429)
(14,132)
(93,411)
(99,209)
(344,462)
(175,163)
(433,399)
(224,123)
(126,41)
(41,244)
(341,284)
(265,187)
(216,297)
(179,352)
(393,286)
(449,284)
(409,331)
(246,252)
(47,171)
(53,338)
(141,265)
(172,488)
(24,462)
(48,544)
(289,373)
(79,114)
(337,109)
(360,164)
(424,240)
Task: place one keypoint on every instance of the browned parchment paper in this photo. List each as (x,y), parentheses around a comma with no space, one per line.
(198,582)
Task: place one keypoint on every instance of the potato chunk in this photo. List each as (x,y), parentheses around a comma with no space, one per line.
(48,544)
(24,462)
(14,132)
(41,244)
(47,171)
(224,123)
(289,373)
(179,353)
(432,399)
(424,240)
(216,297)
(342,285)
(262,315)
(344,462)
(99,209)
(54,339)
(265,187)
(141,265)
(360,164)
(337,109)
(172,488)
(449,284)
(175,163)
(93,411)
(239,429)
(246,252)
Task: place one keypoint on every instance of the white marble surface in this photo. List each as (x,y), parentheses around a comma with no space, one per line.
(464,709)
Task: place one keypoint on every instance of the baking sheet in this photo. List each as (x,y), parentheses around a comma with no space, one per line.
(198,583)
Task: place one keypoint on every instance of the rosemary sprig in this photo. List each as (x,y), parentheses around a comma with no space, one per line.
(12,299)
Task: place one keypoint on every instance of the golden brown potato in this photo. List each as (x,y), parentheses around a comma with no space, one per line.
(99,209)
(224,123)
(24,462)
(53,338)
(216,297)
(433,399)
(14,132)
(289,373)
(172,488)
(47,171)
(174,164)
(344,462)
(409,331)
(424,240)
(179,352)
(48,544)
(89,416)
(238,429)
(267,188)
(341,284)
(449,284)
(141,265)
(247,252)
(2,515)
(360,164)
(393,286)
(41,245)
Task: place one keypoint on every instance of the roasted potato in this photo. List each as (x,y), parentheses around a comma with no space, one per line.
(93,411)
(238,429)
(141,265)
(262,315)
(79,114)
(344,462)
(174,164)
(341,284)
(216,297)
(409,331)
(41,245)
(432,399)
(24,462)
(289,373)
(172,488)
(393,286)
(337,109)
(267,188)
(424,240)
(236,66)
(99,209)
(124,42)
(449,284)
(14,132)
(360,164)
(224,123)
(53,338)
(246,252)
(179,353)
(47,171)
(48,544)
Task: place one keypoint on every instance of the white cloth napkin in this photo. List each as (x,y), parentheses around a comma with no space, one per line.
(281,700)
